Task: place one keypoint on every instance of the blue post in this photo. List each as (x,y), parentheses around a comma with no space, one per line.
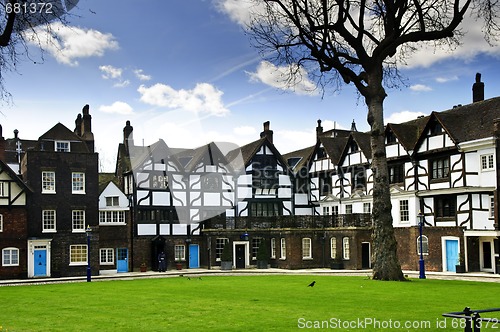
(421,261)
(89,272)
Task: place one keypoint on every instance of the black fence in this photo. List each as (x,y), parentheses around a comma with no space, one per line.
(471,320)
(329,221)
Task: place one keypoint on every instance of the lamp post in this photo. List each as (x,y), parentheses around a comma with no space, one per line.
(88,231)
(421,262)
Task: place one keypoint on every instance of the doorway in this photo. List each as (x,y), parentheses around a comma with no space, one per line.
(194,256)
(121,260)
(365,255)
(241,254)
(486,255)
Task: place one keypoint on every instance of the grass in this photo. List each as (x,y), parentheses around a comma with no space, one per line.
(245,303)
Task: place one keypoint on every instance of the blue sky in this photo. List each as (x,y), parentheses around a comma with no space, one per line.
(185,71)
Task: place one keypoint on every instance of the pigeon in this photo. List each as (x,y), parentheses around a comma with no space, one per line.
(311,284)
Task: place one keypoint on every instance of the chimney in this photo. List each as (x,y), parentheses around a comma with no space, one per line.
(267,133)
(319,130)
(478,89)
(86,128)
(353,126)
(78,125)
(2,145)
(128,136)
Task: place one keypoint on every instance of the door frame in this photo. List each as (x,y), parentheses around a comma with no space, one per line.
(38,244)
(443,250)
(192,245)
(369,247)
(247,252)
(126,259)
(481,254)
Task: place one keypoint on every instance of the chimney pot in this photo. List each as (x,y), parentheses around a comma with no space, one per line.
(267,132)
(478,89)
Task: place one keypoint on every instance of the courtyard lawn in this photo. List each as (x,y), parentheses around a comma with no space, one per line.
(243,303)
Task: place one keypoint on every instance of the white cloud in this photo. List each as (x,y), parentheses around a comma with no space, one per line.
(139,73)
(403,116)
(110,72)
(239,10)
(118,107)
(420,88)
(68,43)
(204,98)
(284,78)
(244,130)
(122,84)
(446,79)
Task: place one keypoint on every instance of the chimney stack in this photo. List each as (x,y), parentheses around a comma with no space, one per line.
(267,132)
(319,130)
(128,137)
(353,126)
(478,89)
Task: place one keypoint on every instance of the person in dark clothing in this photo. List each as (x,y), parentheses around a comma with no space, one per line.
(162,262)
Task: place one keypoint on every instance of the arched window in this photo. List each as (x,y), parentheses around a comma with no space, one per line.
(425,245)
(10,257)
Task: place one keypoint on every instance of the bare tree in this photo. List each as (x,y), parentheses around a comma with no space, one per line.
(20,25)
(361,42)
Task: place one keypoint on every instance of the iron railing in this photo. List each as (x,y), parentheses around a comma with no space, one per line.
(471,320)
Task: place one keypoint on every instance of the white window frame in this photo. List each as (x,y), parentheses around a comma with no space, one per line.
(273,248)
(487,162)
(333,247)
(306,248)
(348,209)
(112,217)
(1,223)
(45,221)
(367,208)
(48,182)
(8,257)
(78,250)
(112,200)
(78,221)
(179,252)
(3,191)
(283,248)
(404,214)
(326,210)
(77,185)
(109,256)
(425,245)
(346,250)
(220,242)
(62,146)
(492,207)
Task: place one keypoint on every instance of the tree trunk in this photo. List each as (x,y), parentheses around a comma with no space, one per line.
(385,259)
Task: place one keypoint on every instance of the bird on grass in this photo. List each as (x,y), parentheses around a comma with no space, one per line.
(311,284)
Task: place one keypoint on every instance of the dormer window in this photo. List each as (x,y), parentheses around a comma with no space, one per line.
(62,146)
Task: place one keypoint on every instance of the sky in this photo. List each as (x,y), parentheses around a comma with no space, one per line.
(185,71)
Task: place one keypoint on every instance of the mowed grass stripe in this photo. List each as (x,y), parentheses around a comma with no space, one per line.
(235,303)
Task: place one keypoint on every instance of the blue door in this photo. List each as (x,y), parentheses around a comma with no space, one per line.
(121,260)
(194,256)
(451,255)
(40,262)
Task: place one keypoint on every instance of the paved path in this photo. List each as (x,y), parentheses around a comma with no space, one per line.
(475,276)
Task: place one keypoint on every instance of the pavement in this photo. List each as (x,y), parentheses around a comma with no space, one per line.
(112,275)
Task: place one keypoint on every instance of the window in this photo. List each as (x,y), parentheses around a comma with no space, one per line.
(353,147)
(396,173)
(112,201)
(107,256)
(390,137)
(265,172)
(348,209)
(273,248)
(492,209)
(78,254)
(335,209)
(326,210)
(10,257)
(265,209)
(283,248)
(1,223)
(425,245)
(358,179)
(346,253)
(48,182)
(78,182)
(325,184)
(333,247)
(112,217)
(255,246)
(440,168)
(211,182)
(219,246)
(62,146)
(3,189)
(487,163)
(436,128)
(404,212)
(48,221)
(367,208)
(445,207)
(180,252)
(306,248)
(78,220)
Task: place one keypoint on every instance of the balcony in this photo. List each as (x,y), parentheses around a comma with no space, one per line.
(330,221)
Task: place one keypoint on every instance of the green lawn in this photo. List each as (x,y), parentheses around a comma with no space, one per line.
(244,303)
